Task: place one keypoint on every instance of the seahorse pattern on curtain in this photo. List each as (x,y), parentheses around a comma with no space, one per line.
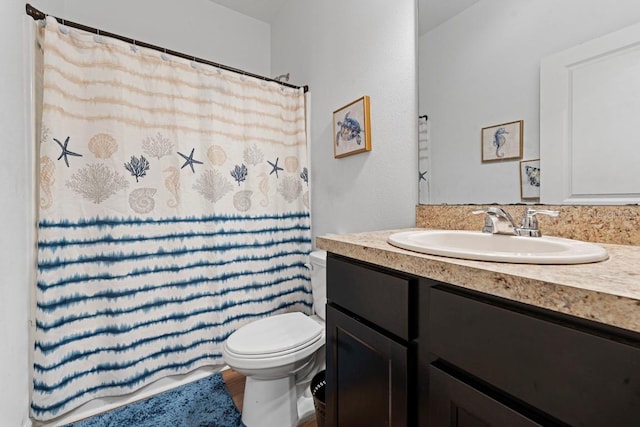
(174,208)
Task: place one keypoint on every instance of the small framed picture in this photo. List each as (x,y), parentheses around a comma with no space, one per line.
(530,179)
(502,142)
(352,128)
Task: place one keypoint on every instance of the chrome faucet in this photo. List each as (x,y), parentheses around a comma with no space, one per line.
(529,224)
(498,221)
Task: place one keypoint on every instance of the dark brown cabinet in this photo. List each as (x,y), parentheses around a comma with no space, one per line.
(455,403)
(370,347)
(368,385)
(548,367)
(409,351)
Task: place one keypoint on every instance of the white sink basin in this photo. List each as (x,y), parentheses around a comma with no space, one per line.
(498,247)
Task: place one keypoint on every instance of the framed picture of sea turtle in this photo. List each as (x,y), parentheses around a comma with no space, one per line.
(502,142)
(352,128)
(530,179)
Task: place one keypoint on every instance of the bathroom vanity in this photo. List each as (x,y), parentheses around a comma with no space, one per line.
(414,339)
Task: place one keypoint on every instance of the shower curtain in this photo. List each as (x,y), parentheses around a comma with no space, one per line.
(424,160)
(173,208)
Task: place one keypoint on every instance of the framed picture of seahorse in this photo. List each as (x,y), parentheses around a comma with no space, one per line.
(530,179)
(352,128)
(502,142)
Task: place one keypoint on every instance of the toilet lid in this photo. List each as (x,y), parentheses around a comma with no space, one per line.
(274,334)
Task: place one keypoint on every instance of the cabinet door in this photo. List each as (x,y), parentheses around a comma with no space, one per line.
(453,403)
(366,375)
(561,369)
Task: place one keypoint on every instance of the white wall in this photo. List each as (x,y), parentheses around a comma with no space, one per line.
(481,68)
(202,29)
(344,50)
(196,27)
(15,244)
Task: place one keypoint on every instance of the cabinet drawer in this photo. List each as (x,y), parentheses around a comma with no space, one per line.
(574,376)
(455,403)
(381,298)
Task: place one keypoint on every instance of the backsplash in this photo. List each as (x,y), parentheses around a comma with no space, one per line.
(618,225)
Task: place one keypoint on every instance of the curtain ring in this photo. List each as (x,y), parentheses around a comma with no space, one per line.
(98,38)
(63,28)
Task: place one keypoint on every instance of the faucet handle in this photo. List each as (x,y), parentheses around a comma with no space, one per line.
(488,222)
(497,220)
(531,211)
(529,224)
(492,210)
(530,216)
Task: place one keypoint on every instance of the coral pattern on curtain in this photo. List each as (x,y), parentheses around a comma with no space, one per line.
(174,208)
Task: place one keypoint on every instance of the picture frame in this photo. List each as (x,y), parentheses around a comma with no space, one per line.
(352,128)
(502,142)
(530,179)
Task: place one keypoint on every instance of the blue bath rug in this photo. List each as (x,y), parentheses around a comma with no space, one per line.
(202,403)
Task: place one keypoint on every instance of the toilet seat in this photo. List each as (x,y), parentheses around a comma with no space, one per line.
(274,341)
(278,355)
(274,336)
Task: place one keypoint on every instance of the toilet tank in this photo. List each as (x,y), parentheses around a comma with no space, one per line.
(318,265)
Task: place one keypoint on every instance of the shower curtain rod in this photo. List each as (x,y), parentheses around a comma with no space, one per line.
(37,15)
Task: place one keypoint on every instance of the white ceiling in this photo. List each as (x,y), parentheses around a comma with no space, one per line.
(263,10)
(431,12)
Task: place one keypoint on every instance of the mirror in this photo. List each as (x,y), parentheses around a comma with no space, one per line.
(589,108)
(480,67)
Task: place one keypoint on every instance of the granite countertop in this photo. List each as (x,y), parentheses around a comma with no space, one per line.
(607,292)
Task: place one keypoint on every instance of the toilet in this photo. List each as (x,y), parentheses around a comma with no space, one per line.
(279,355)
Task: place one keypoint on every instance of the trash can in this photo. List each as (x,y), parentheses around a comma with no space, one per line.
(318,386)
